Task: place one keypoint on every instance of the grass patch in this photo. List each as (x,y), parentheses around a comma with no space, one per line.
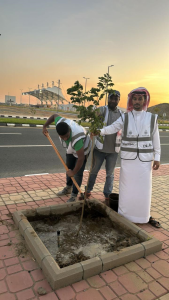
(42,122)
(163,127)
(23,121)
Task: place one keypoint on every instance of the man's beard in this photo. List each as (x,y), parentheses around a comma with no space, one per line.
(112,106)
(137,107)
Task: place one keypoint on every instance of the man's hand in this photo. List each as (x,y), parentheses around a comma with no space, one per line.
(70,173)
(45,132)
(156,165)
(94,134)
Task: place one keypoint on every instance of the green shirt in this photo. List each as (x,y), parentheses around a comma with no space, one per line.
(79,144)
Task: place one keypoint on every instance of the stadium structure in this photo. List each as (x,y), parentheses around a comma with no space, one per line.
(52,95)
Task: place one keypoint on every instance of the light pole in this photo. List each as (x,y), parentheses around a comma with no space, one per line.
(29,95)
(21,96)
(86,78)
(106,93)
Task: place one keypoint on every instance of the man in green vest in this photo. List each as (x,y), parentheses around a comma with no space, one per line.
(72,137)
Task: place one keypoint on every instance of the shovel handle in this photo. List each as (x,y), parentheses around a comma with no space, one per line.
(62,161)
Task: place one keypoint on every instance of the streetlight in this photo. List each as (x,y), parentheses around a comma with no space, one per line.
(110,67)
(106,93)
(29,95)
(85,85)
(21,96)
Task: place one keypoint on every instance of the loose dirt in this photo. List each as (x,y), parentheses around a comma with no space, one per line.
(98,235)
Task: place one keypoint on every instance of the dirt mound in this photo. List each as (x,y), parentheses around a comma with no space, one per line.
(160,109)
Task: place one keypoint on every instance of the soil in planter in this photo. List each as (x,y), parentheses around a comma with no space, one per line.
(98,235)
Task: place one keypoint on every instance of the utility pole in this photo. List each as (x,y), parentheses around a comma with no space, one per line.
(21,96)
(107,85)
(85,85)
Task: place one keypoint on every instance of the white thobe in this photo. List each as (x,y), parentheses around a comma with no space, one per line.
(135,183)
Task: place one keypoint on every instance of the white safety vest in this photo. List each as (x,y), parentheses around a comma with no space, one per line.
(78,133)
(99,142)
(140,144)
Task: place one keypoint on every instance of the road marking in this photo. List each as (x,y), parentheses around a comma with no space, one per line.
(20,146)
(37,174)
(11,133)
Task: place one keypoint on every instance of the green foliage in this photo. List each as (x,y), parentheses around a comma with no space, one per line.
(93,98)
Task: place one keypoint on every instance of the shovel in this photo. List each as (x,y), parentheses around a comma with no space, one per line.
(62,161)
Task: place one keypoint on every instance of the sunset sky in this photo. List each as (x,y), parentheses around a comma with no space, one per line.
(45,40)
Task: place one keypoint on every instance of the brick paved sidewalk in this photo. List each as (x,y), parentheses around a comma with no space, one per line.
(20,276)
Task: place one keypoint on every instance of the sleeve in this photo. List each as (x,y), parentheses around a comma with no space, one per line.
(57,119)
(114,127)
(156,143)
(102,110)
(79,145)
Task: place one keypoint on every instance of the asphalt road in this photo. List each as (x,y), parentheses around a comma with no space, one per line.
(26,151)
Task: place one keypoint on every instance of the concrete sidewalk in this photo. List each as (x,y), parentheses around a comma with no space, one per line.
(20,276)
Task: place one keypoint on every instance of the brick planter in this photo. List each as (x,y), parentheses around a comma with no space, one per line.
(58,277)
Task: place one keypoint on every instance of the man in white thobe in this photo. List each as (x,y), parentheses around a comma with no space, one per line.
(140,149)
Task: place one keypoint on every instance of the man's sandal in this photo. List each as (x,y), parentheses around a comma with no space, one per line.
(154,223)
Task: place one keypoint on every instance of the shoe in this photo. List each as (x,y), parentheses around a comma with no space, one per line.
(81,197)
(72,199)
(154,223)
(66,190)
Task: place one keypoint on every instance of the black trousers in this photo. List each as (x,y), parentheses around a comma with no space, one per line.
(71,162)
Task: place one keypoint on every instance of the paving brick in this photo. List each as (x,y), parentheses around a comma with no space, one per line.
(25,295)
(14,269)
(80,286)
(66,293)
(132,282)
(117,288)
(153,273)
(162,255)
(96,281)
(5,242)
(143,263)
(132,266)
(4,237)
(3,229)
(30,265)
(90,294)
(120,270)
(107,293)
(109,276)
(162,267)
(7,296)
(145,276)
(159,236)
(129,297)
(1,264)
(152,258)
(157,289)
(50,296)
(19,281)
(2,274)
(164,282)
(146,295)
(37,275)
(3,287)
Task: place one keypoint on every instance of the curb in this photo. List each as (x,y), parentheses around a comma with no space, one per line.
(40,126)
(21,117)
